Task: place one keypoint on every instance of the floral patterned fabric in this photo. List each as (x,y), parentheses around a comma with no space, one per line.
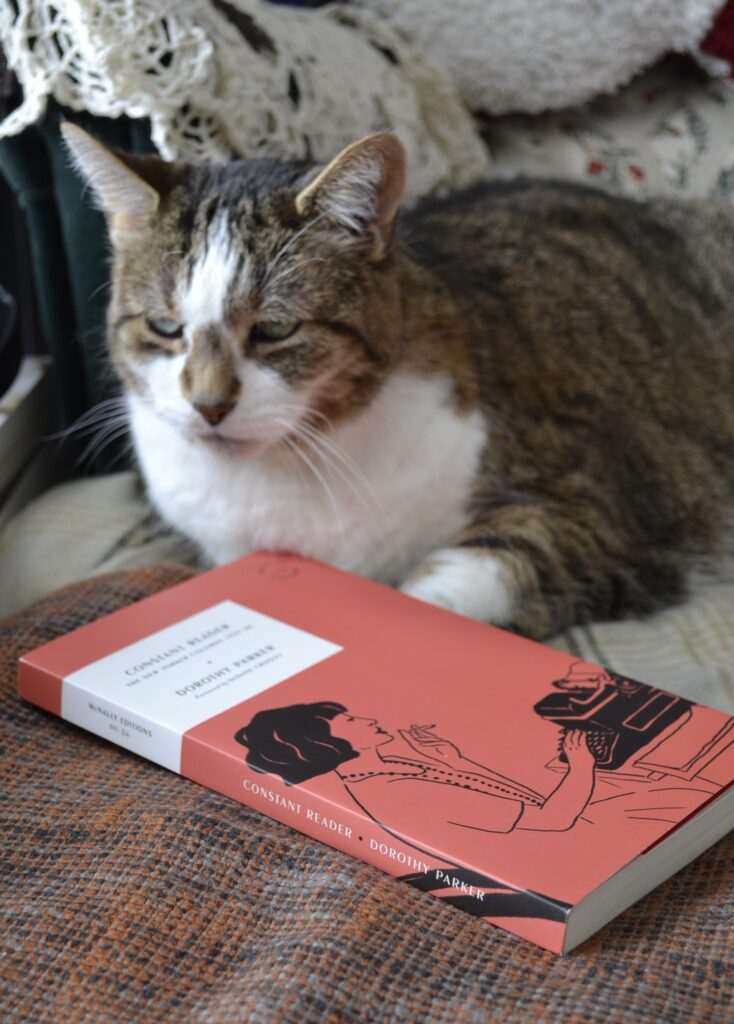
(671,132)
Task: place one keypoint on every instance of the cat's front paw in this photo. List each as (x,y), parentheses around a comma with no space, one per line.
(468,581)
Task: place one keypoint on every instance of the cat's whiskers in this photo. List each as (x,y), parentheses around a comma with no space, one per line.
(301,454)
(123,453)
(291,241)
(168,256)
(98,289)
(132,279)
(90,417)
(336,459)
(287,272)
(369,501)
(108,421)
(101,441)
(332,453)
(109,411)
(124,450)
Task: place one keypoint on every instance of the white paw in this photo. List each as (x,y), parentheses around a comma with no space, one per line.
(468,581)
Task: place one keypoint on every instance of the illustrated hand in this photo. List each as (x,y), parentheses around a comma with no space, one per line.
(576,749)
(430,746)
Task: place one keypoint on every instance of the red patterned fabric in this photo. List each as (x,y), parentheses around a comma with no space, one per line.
(720,40)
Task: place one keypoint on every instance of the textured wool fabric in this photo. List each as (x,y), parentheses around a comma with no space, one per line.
(131,894)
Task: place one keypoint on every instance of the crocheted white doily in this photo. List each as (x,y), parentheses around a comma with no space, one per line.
(219,78)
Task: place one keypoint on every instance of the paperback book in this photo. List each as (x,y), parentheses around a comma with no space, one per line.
(540,793)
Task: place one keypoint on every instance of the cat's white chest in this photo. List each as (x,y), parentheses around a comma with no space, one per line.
(381,492)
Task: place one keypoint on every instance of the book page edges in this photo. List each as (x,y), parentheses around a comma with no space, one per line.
(638,878)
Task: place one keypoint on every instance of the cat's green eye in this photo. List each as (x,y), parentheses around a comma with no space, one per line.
(274,330)
(165,328)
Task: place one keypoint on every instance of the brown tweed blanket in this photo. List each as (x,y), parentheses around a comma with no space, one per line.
(130,894)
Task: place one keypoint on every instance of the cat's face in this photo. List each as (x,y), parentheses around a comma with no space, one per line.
(254,299)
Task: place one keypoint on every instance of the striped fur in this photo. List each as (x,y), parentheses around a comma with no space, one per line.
(522,408)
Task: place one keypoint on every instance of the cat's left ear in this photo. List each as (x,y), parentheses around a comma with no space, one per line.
(361,189)
(127,198)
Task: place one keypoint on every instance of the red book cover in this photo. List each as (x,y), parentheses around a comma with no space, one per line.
(502,776)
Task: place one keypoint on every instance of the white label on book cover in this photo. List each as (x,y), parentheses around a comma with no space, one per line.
(147,695)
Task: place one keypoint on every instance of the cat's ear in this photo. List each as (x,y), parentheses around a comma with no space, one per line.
(361,189)
(129,201)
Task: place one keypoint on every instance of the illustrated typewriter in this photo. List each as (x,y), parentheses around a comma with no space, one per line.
(621,715)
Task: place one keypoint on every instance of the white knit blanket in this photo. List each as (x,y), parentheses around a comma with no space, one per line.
(531,55)
(223,78)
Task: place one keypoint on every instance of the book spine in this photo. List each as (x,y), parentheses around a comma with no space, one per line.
(317,816)
(343,828)
(39,686)
(528,914)
(326,819)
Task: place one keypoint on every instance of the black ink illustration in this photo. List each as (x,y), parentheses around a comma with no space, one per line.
(305,740)
(302,741)
(619,715)
(605,722)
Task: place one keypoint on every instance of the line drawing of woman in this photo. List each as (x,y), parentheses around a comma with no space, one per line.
(442,791)
(306,740)
(440,802)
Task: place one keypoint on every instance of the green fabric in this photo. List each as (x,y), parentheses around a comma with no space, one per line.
(69,253)
(26,167)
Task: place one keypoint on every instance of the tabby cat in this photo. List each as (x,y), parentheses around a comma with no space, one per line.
(516,402)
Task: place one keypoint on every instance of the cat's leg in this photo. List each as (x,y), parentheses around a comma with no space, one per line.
(467,580)
(512,569)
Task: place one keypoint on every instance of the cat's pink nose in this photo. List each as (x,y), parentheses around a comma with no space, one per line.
(214,414)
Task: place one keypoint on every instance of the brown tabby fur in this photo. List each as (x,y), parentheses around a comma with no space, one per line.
(595,333)
(603,335)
